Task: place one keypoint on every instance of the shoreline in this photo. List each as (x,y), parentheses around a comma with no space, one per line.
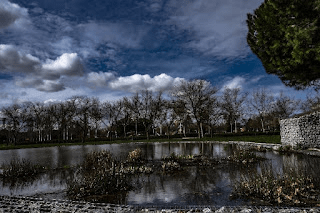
(32,204)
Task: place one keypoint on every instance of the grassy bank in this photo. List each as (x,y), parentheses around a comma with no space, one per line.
(275,139)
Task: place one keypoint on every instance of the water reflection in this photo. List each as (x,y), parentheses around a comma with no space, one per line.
(193,186)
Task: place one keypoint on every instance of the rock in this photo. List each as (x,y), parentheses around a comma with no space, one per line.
(222,210)
(246,211)
(206,210)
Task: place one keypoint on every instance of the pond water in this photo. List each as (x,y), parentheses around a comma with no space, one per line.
(193,186)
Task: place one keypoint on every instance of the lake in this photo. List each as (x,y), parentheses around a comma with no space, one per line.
(193,186)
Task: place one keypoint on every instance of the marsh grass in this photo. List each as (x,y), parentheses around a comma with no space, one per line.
(270,189)
(101,175)
(245,157)
(20,169)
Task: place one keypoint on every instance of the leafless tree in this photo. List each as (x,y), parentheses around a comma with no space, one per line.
(82,105)
(14,119)
(215,116)
(196,96)
(285,106)
(232,105)
(261,104)
(135,109)
(95,114)
(112,111)
(150,106)
(312,102)
(125,114)
(167,116)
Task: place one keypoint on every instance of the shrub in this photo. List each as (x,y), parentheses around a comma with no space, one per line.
(135,156)
(278,190)
(20,169)
(100,175)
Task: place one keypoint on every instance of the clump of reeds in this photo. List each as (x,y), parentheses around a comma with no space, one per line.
(98,175)
(290,190)
(102,175)
(135,156)
(171,166)
(244,157)
(20,169)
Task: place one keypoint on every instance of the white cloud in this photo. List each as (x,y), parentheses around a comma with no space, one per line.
(100,79)
(140,82)
(132,83)
(68,64)
(38,75)
(236,82)
(218,27)
(10,13)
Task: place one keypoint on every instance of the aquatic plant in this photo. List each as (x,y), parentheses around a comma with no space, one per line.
(98,175)
(101,175)
(20,169)
(278,190)
(135,156)
(244,157)
(171,166)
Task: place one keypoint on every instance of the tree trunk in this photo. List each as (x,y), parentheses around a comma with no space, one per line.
(136,126)
(262,125)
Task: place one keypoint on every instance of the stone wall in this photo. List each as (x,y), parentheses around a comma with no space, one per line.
(301,132)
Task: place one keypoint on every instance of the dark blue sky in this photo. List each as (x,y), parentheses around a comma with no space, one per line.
(52,50)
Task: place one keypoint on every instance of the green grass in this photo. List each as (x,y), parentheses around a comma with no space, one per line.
(275,139)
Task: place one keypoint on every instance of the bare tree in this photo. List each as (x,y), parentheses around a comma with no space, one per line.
(82,106)
(167,116)
(14,119)
(232,106)
(125,114)
(312,102)
(95,114)
(215,116)
(150,107)
(112,111)
(285,106)
(135,109)
(196,96)
(261,103)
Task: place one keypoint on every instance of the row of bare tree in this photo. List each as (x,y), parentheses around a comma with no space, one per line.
(191,103)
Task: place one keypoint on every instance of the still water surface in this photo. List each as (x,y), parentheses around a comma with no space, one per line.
(193,186)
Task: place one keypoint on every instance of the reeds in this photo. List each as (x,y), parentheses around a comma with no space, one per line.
(20,169)
(288,190)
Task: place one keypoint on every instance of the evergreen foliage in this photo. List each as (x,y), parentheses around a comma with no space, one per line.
(284,34)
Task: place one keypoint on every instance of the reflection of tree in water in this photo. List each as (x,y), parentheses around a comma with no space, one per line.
(53,178)
(303,165)
(201,182)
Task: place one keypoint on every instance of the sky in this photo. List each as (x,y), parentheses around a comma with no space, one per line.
(53,50)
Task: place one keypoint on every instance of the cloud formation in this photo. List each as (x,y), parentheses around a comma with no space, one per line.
(68,64)
(218,27)
(38,75)
(236,82)
(132,83)
(15,61)
(9,13)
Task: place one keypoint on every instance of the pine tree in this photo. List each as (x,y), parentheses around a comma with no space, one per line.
(285,35)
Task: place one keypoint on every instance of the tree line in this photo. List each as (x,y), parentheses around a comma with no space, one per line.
(191,108)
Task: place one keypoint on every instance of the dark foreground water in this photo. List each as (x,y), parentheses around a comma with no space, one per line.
(193,186)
